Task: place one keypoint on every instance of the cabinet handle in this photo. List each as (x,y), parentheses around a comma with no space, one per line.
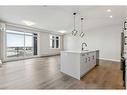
(93,56)
(86,60)
(89,58)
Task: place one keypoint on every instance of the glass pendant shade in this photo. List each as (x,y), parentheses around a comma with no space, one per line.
(82,34)
(74,32)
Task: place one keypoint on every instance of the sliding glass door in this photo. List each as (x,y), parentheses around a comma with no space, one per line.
(15,44)
(30,44)
(21,44)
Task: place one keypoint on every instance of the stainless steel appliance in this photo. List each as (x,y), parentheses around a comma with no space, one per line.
(124,52)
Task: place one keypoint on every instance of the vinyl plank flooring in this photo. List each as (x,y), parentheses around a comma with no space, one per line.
(44,73)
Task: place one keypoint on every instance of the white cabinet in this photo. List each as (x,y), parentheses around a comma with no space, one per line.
(83,64)
(87,62)
(92,56)
(77,63)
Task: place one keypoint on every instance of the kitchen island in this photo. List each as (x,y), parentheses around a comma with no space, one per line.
(78,63)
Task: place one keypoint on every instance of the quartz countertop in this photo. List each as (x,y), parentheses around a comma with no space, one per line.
(85,51)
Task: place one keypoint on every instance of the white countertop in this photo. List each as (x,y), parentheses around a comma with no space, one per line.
(80,51)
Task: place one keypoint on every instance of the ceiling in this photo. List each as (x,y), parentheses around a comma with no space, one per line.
(55,18)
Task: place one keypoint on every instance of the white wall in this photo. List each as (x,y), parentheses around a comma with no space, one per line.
(2,48)
(107,39)
(44,45)
(0,44)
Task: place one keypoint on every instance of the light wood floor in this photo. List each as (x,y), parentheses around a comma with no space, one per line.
(44,73)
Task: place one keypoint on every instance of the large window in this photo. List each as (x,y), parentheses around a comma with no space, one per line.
(21,44)
(54,41)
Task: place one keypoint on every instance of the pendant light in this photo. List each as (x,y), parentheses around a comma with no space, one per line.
(74,32)
(82,32)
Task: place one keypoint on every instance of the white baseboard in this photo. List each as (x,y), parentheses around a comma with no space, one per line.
(49,54)
(0,62)
(110,59)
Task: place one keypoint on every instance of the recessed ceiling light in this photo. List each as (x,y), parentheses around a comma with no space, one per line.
(108,10)
(62,31)
(110,16)
(28,23)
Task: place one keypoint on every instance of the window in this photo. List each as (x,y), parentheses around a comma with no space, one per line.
(21,44)
(54,41)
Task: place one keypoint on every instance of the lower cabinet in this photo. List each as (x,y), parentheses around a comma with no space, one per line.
(87,62)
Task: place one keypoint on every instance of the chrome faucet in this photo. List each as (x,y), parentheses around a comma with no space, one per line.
(83,45)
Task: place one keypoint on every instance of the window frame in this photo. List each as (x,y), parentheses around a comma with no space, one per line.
(24,33)
(55,39)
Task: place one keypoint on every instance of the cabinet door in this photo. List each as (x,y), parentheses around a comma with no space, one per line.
(83,64)
(87,62)
(91,60)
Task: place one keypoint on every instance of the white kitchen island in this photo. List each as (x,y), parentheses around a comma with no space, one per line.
(78,63)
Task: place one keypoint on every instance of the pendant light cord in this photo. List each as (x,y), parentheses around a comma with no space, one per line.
(81,25)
